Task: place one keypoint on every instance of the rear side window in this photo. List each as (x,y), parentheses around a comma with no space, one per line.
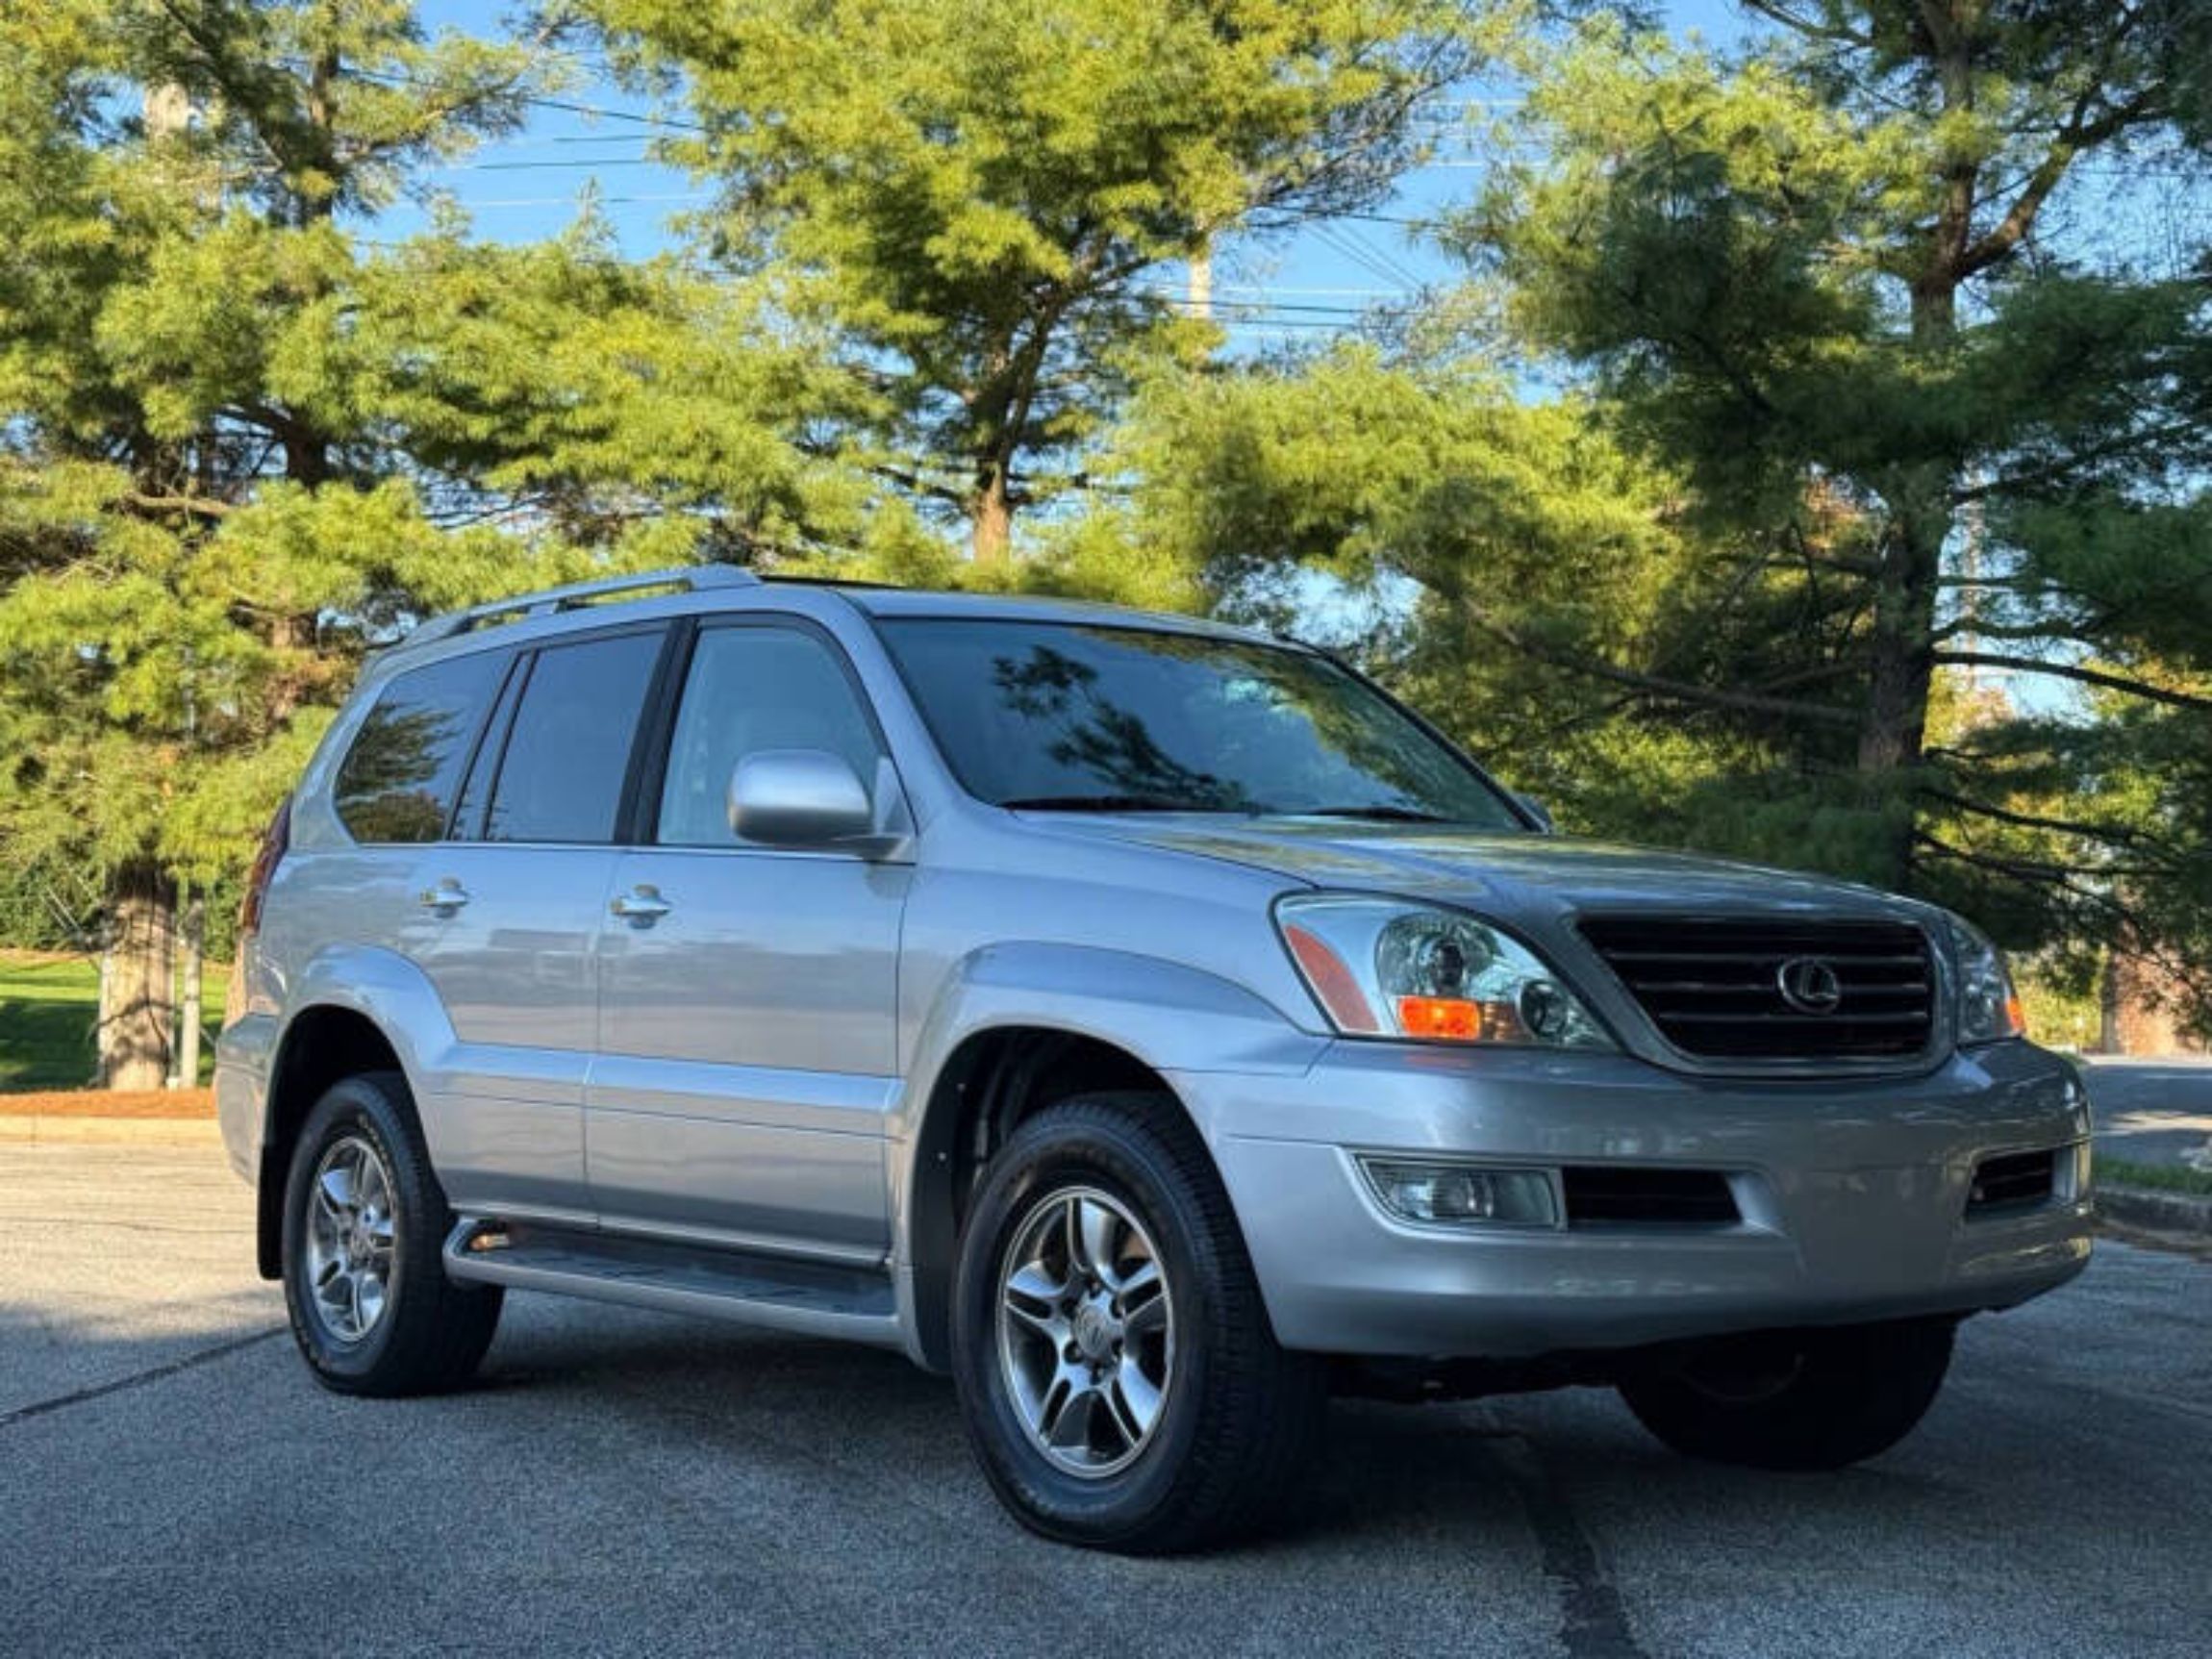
(568,750)
(398,780)
(752,689)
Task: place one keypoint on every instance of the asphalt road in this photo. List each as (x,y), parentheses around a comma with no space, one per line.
(171,1481)
(2152,1111)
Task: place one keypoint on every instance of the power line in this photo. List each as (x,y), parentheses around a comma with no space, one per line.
(539,101)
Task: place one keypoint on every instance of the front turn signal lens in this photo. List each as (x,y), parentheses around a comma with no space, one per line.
(1387,967)
(1989,1005)
(1445,1018)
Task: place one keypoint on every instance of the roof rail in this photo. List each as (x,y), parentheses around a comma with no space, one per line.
(551,601)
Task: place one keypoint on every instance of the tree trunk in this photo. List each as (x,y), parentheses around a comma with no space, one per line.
(2108,1005)
(1901,670)
(994,530)
(1902,644)
(196,927)
(136,1036)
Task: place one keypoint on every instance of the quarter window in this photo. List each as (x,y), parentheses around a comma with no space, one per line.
(398,780)
(567,752)
(751,688)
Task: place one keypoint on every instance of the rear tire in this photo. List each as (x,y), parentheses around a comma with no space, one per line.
(1818,1399)
(365,1223)
(1134,1398)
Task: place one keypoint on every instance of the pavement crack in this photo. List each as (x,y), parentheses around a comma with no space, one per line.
(137,1379)
(1593,1623)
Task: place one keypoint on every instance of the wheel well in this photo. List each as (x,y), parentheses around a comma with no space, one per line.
(992,1083)
(321,1046)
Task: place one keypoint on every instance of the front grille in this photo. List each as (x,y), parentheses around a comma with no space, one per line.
(2016,1181)
(1681,1197)
(1714,988)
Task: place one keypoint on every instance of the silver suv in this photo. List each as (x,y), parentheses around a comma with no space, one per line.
(1152,1025)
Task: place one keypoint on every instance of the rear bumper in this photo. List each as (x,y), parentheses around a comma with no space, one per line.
(242,1058)
(1853,1197)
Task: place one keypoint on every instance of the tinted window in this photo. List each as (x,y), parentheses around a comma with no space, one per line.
(468,823)
(1055,715)
(752,689)
(560,777)
(398,780)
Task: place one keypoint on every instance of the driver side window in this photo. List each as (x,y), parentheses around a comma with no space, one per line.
(750,689)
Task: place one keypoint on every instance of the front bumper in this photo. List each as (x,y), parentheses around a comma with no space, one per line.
(1852,1193)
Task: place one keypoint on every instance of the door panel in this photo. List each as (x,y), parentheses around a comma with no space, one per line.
(504,919)
(748,1045)
(513,966)
(748,1033)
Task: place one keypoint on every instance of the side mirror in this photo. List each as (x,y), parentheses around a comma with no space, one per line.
(807,798)
(1536,810)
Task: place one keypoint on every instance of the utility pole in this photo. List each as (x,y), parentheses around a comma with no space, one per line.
(1199,291)
(187,1074)
(167,110)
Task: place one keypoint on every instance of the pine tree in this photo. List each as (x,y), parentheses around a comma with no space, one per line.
(199,526)
(979,199)
(1874,535)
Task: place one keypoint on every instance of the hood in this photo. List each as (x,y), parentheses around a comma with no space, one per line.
(1507,875)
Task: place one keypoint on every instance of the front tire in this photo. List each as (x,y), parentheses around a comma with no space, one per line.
(365,1222)
(1118,1375)
(1819,1399)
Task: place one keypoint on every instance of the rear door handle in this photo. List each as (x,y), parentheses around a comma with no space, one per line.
(443,899)
(640,904)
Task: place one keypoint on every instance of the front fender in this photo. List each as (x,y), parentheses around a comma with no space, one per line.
(1171,1017)
(1166,1015)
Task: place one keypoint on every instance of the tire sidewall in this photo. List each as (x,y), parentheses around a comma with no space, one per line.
(362,1107)
(1044,1158)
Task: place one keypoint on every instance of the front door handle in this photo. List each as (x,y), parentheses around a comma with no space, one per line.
(443,899)
(640,904)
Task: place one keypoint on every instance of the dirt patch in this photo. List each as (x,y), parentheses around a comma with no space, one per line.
(111,1103)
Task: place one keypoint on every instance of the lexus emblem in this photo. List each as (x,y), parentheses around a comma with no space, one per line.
(1809,984)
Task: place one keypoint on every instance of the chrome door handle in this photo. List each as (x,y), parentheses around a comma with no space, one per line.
(443,899)
(640,904)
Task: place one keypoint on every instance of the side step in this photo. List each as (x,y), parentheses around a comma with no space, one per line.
(814,1298)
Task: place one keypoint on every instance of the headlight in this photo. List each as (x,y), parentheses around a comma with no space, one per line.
(1384,967)
(1989,1009)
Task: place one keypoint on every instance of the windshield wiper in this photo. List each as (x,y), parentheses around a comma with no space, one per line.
(1106,804)
(1380,813)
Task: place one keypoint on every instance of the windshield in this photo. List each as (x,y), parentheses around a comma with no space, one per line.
(1075,716)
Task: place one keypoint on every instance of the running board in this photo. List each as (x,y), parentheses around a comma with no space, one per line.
(815,1298)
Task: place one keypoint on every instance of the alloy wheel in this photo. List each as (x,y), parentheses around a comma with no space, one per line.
(351,1232)
(1086,1331)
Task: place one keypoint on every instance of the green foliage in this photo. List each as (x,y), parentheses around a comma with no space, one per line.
(238,445)
(1921,441)
(1855,418)
(2160,1177)
(974,194)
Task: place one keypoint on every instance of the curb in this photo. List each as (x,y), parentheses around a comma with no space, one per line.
(2160,1211)
(57,1128)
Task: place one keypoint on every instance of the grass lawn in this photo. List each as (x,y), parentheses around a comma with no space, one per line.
(48,1006)
(2166,1177)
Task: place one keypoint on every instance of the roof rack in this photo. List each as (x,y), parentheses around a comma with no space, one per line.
(693,578)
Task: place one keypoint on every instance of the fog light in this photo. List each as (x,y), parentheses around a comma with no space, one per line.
(1459,1194)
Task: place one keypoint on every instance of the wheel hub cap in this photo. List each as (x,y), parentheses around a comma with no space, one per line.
(350,1239)
(1097,1332)
(1086,1331)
